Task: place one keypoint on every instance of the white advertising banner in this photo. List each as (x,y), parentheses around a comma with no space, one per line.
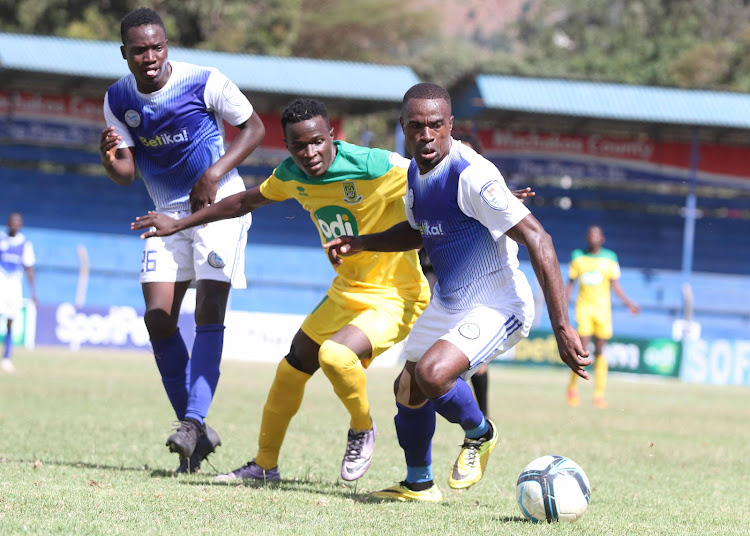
(252,336)
(717,361)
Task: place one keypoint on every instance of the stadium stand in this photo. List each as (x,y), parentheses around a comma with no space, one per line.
(66,202)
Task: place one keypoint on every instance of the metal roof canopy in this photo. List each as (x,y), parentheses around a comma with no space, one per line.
(579,106)
(59,64)
(589,107)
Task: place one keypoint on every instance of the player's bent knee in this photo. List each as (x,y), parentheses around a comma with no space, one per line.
(159,324)
(334,356)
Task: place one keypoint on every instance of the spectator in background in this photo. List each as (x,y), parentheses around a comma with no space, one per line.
(16,256)
(165,118)
(596,269)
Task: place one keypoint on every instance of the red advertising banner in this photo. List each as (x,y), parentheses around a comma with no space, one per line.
(70,121)
(637,153)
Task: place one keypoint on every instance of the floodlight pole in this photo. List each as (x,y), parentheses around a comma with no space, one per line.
(688,238)
(688,243)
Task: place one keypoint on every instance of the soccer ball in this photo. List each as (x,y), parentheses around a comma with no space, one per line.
(553,488)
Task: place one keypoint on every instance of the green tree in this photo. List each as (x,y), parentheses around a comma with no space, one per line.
(654,42)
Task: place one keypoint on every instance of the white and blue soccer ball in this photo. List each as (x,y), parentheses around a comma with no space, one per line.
(553,488)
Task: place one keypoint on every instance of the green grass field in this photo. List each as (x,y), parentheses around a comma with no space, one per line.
(82,451)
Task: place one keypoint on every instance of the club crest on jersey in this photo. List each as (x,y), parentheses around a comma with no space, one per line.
(427,228)
(494,195)
(350,193)
(469,331)
(215,260)
(132,118)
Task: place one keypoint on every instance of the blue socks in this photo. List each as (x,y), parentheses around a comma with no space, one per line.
(459,406)
(8,343)
(415,428)
(204,369)
(173,362)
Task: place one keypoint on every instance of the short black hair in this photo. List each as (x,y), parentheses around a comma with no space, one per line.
(143,16)
(301,110)
(471,139)
(425,90)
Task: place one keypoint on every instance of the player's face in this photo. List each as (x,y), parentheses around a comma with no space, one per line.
(145,50)
(15,222)
(427,125)
(595,238)
(311,145)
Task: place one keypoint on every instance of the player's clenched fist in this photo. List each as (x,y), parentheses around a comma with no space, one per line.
(108,146)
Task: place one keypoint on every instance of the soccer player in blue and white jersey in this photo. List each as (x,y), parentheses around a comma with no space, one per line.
(459,208)
(165,118)
(16,257)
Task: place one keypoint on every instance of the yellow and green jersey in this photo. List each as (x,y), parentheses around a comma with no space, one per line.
(362,192)
(594,272)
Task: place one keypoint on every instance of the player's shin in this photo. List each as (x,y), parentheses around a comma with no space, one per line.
(415,428)
(341,367)
(459,406)
(172,360)
(204,369)
(601,368)
(8,342)
(283,402)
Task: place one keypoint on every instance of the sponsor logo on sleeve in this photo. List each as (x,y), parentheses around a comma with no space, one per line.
(232,93)
(494,195)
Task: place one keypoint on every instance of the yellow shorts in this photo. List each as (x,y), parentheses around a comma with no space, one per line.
(594,322)
(385,318)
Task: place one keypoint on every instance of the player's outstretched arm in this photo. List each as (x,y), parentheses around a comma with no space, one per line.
(531,234)
(247,140)
(118,163)
(632,306)
(400,237)
(230,207)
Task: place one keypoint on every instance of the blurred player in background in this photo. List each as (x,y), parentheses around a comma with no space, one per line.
(165,118)
(16,257)
(371,304)
(596,269)
(460,210)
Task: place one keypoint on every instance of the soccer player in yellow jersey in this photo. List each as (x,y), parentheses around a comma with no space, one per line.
(371,304)
(596,269)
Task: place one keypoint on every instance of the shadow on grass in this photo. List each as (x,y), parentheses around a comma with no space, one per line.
(88,465)
(512,519)
(339,488)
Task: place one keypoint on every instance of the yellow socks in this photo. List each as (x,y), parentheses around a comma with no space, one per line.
(283,402)
(573,385)
(601,367)
(341,366)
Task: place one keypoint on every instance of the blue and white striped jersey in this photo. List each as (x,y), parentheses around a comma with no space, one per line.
(463,208)
(177,131)
(16,253)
